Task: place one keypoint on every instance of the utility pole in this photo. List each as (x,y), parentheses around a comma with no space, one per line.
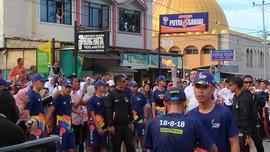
(264,36)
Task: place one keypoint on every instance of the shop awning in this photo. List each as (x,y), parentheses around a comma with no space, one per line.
(100,56)
(119,69)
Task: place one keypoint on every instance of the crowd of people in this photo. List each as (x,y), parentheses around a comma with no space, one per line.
(115,113)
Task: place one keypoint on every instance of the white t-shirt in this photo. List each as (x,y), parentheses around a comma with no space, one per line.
(192,101)
(227,95)
(77,119)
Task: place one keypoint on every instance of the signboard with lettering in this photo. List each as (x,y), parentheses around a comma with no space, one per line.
(93,41)
(135,60)
(222,55)
(180,23)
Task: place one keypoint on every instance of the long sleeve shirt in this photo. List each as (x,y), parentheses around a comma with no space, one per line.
(243,112)
(118,108)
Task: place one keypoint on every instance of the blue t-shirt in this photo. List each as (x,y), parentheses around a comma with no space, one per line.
(34,105)
(97,105)
(220,125)
(175,132)
(138,102)
(62,114)
(158,97)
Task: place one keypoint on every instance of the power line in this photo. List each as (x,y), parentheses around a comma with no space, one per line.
(142,28)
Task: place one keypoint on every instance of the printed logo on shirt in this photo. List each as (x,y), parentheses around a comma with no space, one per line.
(41,126)
(138,99)
(215,124)
(116,100)
(98,103)
(126,99)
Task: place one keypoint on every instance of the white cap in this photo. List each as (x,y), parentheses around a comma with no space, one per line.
(111,83)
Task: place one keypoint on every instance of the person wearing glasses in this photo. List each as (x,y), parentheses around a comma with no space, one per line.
(216,118)
(243,113)
(119,116)
(259,105)
(175,131)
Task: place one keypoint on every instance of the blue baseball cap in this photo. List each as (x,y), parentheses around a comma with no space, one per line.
(204,78)
(66,82)
(132,84)
(175,94)
(100,83)
(161,78)
(38,77)
(4,82)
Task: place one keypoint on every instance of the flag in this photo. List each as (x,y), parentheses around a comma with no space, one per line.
(43,58)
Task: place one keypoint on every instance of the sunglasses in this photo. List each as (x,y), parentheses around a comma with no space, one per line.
(250,82)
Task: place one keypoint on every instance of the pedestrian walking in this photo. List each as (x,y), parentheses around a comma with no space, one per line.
(120,117)
(243,113)
(175,131)
(158,97)
(61,110)
(138,101)
(98,136)
(34,108)
(216,118)
(189,91)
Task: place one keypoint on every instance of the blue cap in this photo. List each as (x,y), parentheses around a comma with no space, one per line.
(4,82)
(100,83)
(38,77)
(66,82)
(204,78)
(161,78)
(175,94)
(132,84)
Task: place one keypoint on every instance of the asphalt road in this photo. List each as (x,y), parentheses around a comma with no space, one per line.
(266,147)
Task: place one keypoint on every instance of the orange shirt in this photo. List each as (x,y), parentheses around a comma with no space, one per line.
(16,71)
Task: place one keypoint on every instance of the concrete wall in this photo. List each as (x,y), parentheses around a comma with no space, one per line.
(241,45)
(2,23)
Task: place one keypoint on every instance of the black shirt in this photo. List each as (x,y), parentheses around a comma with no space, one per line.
(118,108)
(243,112)
(10,133)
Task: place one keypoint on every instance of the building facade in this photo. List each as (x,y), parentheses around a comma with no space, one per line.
(24,25)
(196,46)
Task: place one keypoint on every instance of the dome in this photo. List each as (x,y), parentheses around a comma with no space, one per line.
(217,22)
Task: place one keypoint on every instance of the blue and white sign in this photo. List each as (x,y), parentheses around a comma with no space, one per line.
(222,55)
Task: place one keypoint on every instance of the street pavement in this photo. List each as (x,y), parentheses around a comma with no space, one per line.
(266,147)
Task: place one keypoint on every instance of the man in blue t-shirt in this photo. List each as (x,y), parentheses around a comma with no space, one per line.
(216,118)
(61,106)
(174,131)
(138,102)
(34,108)
(158,96)
(98,137)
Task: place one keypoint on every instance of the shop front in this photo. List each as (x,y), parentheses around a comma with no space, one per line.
(146,64)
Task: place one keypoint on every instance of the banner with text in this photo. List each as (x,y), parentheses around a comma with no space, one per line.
(180,23)
(93,41)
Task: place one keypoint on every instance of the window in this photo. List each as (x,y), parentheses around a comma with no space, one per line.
(247,58)
(251,59)
(207,49)
(56,11)
(95,15)
(129,21)
(191,50)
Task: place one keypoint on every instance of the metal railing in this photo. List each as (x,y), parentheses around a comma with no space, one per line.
(32,143)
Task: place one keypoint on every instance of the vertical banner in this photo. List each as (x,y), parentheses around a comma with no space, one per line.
(44,58)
